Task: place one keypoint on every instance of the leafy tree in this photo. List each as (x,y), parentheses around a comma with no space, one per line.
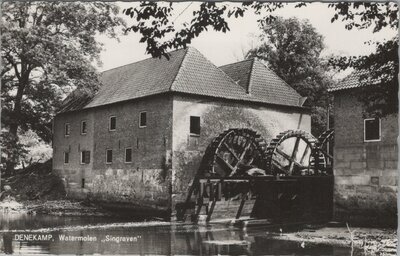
(153,22)
(292,49)
(379,68)
(47,50)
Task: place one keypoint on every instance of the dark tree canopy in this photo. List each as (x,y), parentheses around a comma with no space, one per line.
(153,20)
(292,49)
(47,50)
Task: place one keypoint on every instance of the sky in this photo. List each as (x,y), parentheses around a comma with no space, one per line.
(224,48)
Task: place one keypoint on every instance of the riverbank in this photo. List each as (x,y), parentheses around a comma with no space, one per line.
(372,241)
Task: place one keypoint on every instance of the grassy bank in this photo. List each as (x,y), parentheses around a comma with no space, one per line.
(36,189)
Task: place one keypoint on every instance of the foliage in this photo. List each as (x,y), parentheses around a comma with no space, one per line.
(292,49)
(379,70)
(153,22)
(47,51)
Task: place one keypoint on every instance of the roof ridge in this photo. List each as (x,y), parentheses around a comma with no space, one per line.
(171,87)
(194,50)
(253,59)
(291,88)
(136,62)
(233,63)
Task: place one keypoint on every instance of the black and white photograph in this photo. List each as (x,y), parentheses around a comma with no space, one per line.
(199,128)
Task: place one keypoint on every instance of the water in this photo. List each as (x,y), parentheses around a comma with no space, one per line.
(104,236)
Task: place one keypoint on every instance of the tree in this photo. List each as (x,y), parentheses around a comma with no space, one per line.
(380,68)
(292,49)
(47,50)
(153,22)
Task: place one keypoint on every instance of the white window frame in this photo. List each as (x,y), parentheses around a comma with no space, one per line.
(65,129)
(111,156)
(109,123)
(82,156)
(140,119)
(380,130)
(68,157)
(83,121)
(131,155)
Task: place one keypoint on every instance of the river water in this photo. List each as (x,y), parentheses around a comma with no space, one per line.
(44,234)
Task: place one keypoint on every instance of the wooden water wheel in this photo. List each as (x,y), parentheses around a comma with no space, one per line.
(291,153)
(235,152)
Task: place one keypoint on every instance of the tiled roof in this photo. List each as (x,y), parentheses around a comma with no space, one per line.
(350,81)
(188,71)
(262,83)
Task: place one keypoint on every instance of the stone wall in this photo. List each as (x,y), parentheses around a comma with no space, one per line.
(217,116)
(143,182)
(366,175)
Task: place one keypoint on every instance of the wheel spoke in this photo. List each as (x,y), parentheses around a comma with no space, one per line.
(279,166)
(280,152)
(225,165)
(231,151)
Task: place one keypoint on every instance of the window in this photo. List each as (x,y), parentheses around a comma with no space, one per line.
(67,129)
(66,157)
(195,125)
(109,156)
(372,129)
(83,127)
(85,157)
(83,183)
(113,123)
(143,119)
(128,155)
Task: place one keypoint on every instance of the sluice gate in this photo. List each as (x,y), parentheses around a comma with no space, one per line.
(287,180)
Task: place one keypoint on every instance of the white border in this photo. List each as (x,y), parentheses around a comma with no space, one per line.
(380,130)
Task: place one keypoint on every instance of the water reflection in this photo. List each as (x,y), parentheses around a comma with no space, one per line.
(162,240)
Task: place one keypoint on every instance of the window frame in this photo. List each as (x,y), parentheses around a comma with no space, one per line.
(83,121)
(190,124)
(65,129)
(128,162)
(140,119)
(109,123)
(83,158)
(380,130)
(66,154)
(108,149)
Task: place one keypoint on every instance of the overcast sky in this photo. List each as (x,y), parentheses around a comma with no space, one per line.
(223,48)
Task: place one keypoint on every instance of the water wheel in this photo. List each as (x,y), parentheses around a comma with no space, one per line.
(235,152)
(291,153)
(323,157)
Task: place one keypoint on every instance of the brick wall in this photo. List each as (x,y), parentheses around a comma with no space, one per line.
(366,175)
(217,116)
(146,181)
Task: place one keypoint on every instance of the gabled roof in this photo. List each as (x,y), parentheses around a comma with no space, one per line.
(188,71)
(349,82)
(262,83)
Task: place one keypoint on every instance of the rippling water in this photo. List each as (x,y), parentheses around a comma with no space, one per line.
(97,235)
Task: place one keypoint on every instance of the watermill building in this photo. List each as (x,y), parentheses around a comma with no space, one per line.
(140,139)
